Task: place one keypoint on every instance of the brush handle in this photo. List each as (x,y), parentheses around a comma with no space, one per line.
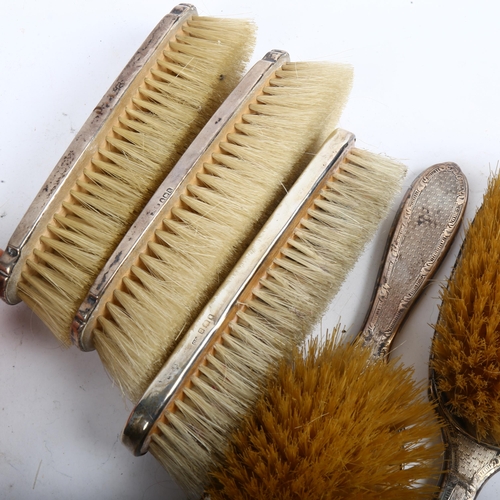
(426,223)
(470,465)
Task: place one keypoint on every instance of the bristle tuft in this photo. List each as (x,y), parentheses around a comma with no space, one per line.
(333,424)
(191,80)
(466,348)
(288,301)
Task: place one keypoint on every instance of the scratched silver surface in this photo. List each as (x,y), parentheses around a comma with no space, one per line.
(62,177)
(429,217)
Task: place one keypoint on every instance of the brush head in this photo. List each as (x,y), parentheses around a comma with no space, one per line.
(334,424)
(466,347)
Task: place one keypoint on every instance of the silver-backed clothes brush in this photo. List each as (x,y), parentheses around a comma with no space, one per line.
(268,302)
(465,360)
(167,92)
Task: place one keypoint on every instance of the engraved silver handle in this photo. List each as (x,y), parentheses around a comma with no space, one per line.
(470,464)
(427,221)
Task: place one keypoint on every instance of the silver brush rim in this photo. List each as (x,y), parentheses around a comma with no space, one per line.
(56,186)
(162,391)
(166,196)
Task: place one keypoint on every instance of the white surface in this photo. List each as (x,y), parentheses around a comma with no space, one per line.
(426,90)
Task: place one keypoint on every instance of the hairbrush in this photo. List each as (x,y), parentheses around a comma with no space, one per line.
(268,302)
(464,363)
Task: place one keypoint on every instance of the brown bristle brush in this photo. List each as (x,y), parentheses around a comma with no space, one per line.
(333,425)
(152,112)
(271,298)
(465,359)
(340,421)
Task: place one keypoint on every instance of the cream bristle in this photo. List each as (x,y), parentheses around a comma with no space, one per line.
(291,295)
(333,424)
(203,64)
(219,213)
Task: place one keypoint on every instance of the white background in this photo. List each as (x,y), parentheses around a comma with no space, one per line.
(426,90)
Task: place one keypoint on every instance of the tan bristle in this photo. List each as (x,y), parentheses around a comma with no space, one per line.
(333,424)
(196,72)
(220,212)
(466,348)
(291,296)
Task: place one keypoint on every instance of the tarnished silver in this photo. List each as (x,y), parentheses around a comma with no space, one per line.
(469,462)
(150,219)
(428,219)
(81,149)
(165,387)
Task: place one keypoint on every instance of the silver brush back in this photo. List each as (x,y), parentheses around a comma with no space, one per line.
(424,228)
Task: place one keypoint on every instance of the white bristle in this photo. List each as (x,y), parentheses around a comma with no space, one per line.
(220,211)
(291,295)
(201,65)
